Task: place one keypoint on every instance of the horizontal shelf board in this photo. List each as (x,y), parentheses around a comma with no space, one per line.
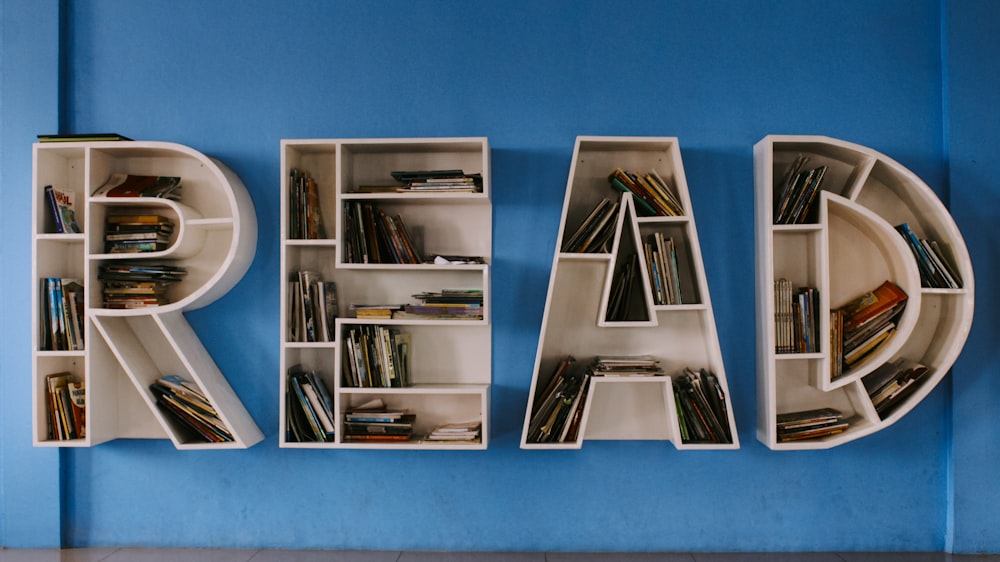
(411,322)
(786,356)
(679,307)
(425,388)
(663,220)
(627,324)
(579,256)
(210,223)
(61,353)
(71,237)
(415,266)
(63,443)
(437,197)
(311,344)
(566,446)
(796,227)
(631,379)
(412,445)
(311,242)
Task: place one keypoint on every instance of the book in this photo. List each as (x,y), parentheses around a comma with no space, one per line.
(65,418)
(184,402)
(63,210)
(871,304)
(83,137)
(809,424)
(133,185)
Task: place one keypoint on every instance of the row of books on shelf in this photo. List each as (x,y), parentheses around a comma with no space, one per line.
(864,325)
(661,265)
(376,356)
(652,195)
(312,307)
(184,402)
(309,410)
(373,236)
(596,233)
(890,384)
(936,270)
(809,424)
(305,217)
(796,318)
(447,304)
(138,185)
(626,283)
(428,181)
(557,411)
(702,415)
(137,285)
(61,314)
(66,405)
(797,196)
(136,233)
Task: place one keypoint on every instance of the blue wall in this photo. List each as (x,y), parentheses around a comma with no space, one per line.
(232,78)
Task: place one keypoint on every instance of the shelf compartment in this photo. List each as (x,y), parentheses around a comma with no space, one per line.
(433,405)
(846,166)
(64,168)
(438,229)
(370,161)
(148,347)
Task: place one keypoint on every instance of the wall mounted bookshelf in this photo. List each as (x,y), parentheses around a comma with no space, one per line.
(846,247)
(449,224)
(122,350)
(581,320)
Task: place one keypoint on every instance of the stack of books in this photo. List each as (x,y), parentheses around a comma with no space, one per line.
(184,402)
(936,271)
(661,265)
(626,366)
(134,233)
(374,422)
(701,407)
(447,304)
(595,233)
(892,382)
(305,217)
(67,406)
(429,181)
(137,285)
(372,236)
(457,433)
(810,424)
(795,204)
(864,324)
(652,195)
(309,407)
(558,410)
(132,185)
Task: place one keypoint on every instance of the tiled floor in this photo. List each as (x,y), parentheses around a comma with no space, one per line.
(250,555)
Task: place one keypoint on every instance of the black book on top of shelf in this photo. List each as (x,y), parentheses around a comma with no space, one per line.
(83,137)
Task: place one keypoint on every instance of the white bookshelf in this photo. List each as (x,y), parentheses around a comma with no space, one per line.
(574,322)
(126,350)
(451,362)
(851,248)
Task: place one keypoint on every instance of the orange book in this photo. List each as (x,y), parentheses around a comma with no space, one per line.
(872,304)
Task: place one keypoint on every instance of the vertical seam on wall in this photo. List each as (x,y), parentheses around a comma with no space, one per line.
(949,533)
